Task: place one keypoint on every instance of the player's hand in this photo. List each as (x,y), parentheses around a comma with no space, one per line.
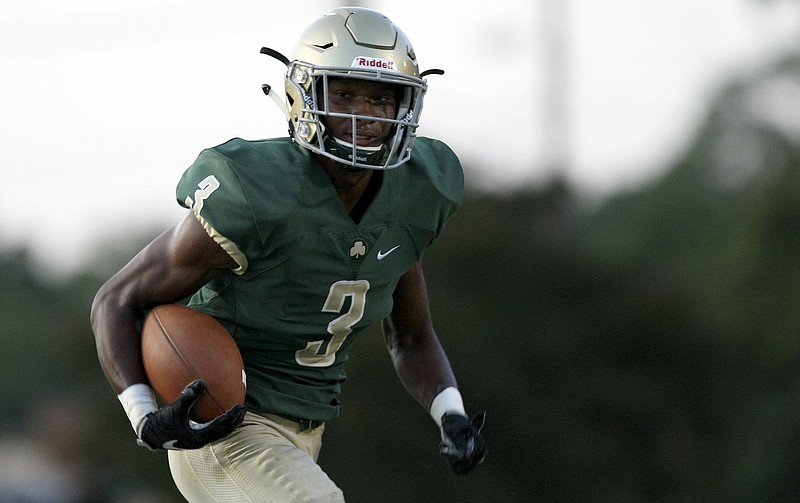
(462,442)
(170,426)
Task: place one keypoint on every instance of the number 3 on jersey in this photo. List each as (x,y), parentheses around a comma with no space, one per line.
(323,353)
(205,188)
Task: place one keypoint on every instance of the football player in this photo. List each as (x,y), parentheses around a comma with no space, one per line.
(296,245)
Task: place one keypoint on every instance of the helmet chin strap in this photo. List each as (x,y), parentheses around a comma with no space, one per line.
(345,151)
(269,92)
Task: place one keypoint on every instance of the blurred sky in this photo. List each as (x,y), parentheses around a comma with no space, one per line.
(104,103)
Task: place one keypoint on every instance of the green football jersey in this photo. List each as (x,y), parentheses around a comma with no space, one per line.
(309,277)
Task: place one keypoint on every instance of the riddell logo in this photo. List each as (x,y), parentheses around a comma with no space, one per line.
(382,64)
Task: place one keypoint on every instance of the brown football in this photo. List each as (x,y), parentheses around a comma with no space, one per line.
(181,345)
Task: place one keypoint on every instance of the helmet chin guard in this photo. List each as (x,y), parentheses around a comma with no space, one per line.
(341,149)
(352,43)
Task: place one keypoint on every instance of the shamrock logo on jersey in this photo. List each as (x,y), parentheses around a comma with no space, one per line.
(358,250)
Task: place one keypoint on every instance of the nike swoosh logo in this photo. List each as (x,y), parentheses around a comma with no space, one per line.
(382,255)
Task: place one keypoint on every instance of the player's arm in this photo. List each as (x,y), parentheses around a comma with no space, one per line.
(425,371)
(173,266)
(418,357)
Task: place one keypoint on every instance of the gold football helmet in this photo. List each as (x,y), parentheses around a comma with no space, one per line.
(353,43)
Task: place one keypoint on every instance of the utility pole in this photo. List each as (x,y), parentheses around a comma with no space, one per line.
(554,39)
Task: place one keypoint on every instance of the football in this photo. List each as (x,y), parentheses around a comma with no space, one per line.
(181,345)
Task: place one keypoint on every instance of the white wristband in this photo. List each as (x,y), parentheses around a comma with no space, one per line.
(138,400)
(448,401)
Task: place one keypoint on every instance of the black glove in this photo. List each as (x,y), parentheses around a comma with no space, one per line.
(169,427)
(462,442)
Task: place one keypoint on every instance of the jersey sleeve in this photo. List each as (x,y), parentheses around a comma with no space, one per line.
(448,178)
(212,190)
(437,179)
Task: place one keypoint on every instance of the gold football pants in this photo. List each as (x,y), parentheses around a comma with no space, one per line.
(266,460)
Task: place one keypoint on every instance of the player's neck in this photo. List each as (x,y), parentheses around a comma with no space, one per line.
(354,187)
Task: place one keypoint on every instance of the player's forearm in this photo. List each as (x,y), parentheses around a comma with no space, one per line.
(421,364)
(115,327)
